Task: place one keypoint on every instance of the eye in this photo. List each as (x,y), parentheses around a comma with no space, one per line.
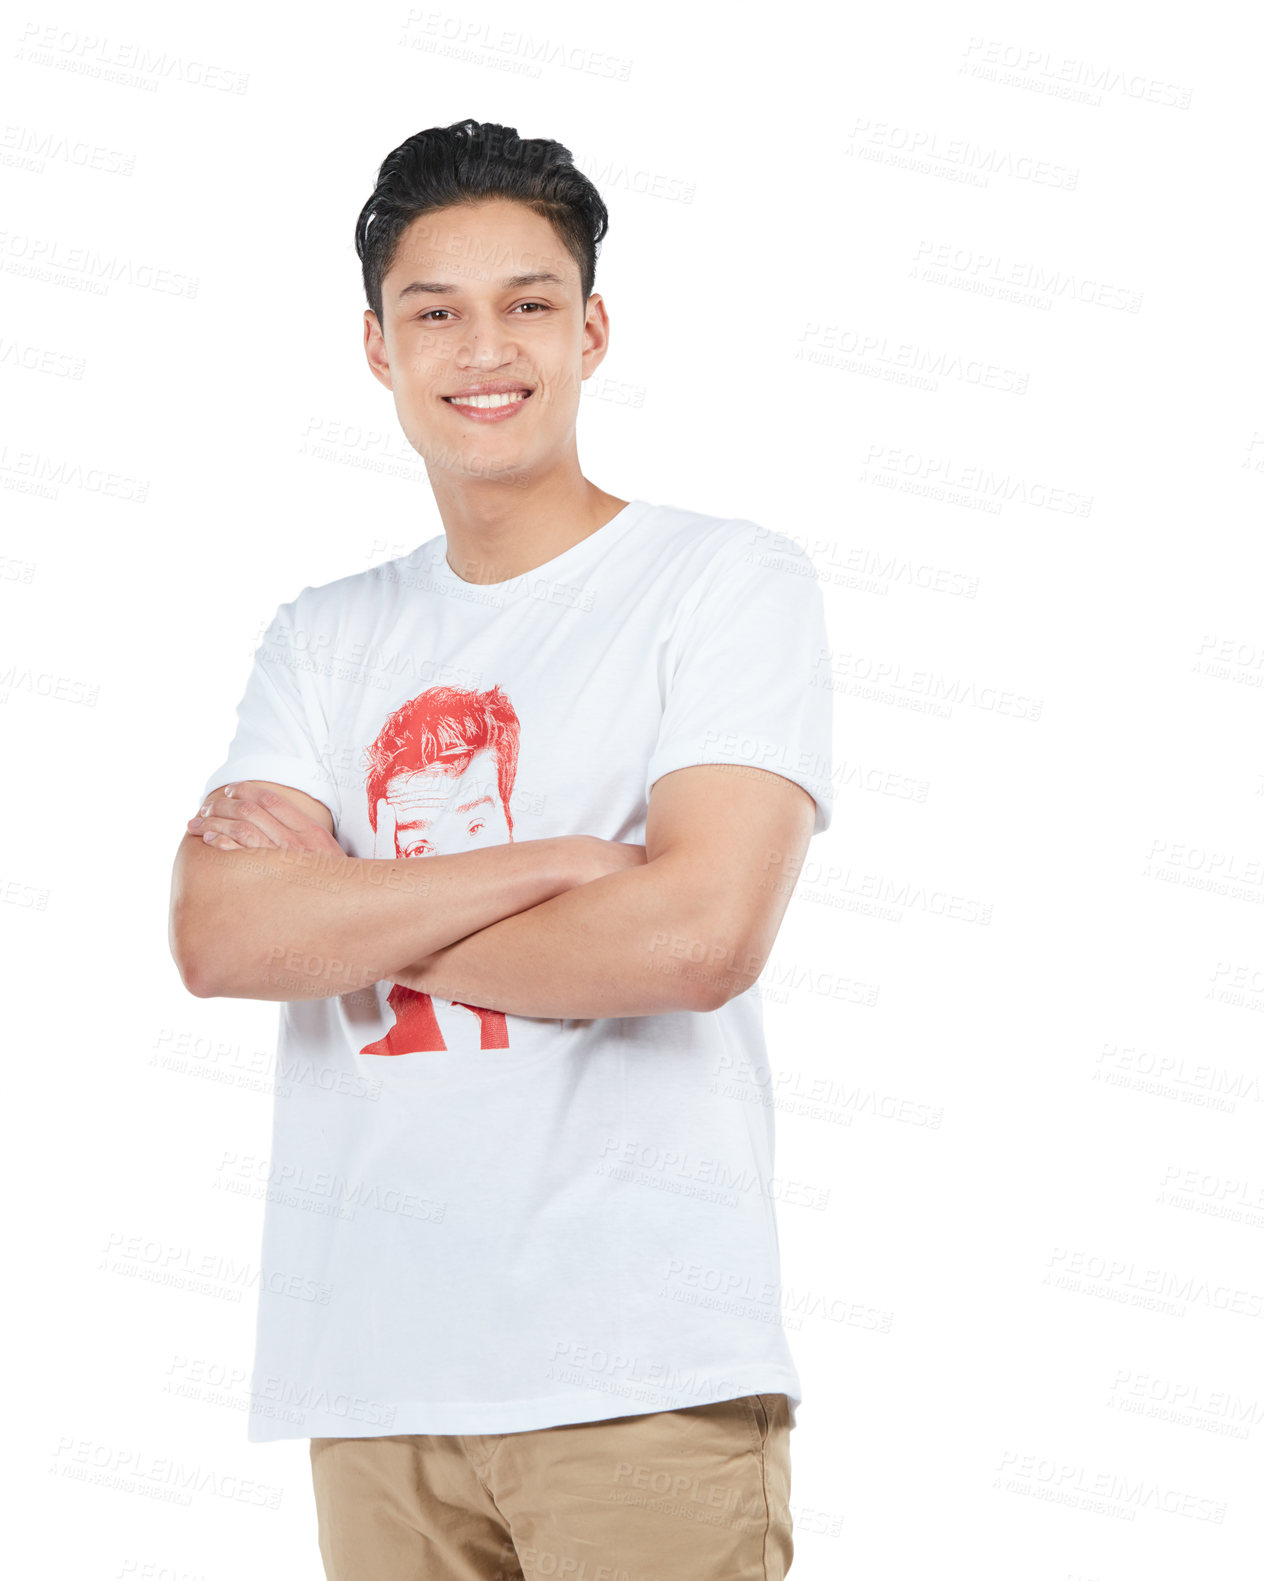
(422,317)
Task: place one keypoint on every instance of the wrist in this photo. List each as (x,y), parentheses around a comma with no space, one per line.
(571,861)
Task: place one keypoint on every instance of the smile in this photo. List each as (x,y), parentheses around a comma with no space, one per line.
(489,408)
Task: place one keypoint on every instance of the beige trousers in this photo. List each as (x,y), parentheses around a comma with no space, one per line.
(699,1494)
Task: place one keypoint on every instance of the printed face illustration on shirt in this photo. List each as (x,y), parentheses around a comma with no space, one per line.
(442,808)
(438,781)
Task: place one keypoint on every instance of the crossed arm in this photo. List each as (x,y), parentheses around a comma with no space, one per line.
(686,929)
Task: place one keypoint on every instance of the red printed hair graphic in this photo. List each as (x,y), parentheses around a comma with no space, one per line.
(444,728)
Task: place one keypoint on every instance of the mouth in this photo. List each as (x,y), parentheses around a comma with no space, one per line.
(492,405)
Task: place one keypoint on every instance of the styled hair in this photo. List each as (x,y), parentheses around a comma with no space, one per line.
(466,163)
(443,728)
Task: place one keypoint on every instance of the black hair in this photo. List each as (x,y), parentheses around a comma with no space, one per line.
(465,163)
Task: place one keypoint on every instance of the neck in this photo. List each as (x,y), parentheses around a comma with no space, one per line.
(501,529)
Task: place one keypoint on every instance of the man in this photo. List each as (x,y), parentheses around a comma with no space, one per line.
(544,1336)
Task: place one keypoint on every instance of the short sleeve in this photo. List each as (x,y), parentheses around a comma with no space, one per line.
(276,739)
(747,671)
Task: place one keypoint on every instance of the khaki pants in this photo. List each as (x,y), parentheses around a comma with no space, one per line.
(699,1494)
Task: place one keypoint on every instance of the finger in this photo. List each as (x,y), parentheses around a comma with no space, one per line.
(277,807)
(384,838)
(244,811)
(228,818)
(219,841)
(240,831)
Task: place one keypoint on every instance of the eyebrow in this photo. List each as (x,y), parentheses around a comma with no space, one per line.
(485,800)
(511,283)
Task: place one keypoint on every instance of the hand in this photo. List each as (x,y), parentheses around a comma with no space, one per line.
(254,817)
(384,834)
(589,856)
(583,857)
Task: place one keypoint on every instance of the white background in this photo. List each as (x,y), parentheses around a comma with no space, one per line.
(964,299)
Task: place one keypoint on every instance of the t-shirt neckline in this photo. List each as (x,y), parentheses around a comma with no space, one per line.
(563,565)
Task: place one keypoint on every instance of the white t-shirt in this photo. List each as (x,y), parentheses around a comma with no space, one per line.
(486,1223)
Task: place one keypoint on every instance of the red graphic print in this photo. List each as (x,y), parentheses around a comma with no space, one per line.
(439,778)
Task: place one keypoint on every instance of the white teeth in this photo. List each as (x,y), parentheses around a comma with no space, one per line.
(488,400)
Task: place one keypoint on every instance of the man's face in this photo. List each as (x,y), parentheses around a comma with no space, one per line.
(485,323)
(438,812)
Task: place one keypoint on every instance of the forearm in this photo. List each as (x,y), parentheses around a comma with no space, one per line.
(632,943)
(279,925)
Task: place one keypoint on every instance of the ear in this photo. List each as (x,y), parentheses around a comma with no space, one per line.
(375,349)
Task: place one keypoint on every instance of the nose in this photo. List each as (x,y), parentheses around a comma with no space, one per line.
(486,346)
